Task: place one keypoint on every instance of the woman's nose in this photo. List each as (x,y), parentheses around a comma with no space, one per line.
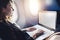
(12,9)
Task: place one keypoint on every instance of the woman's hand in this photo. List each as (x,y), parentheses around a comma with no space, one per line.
(38,33)
(29,29)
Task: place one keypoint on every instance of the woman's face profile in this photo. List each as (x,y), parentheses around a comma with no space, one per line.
(8,9)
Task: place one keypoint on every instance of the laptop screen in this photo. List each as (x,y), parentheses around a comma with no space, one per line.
(48,18)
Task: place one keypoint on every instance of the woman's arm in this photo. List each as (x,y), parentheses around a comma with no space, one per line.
(29,29)
(38,33)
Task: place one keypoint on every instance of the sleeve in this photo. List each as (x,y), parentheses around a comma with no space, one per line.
(24,33)
(27,36)
(1,38)
(30,38)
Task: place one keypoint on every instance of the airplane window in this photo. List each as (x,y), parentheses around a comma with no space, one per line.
(33,6)
(14,13)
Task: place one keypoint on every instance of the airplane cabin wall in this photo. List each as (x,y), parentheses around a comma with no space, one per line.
(26,19)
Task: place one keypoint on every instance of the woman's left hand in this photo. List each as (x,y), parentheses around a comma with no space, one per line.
(30,29)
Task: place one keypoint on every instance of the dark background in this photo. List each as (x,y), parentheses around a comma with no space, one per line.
(53,7)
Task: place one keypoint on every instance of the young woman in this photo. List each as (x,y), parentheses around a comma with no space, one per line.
(9,31)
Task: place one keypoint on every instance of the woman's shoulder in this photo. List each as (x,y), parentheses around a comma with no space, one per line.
(3,25)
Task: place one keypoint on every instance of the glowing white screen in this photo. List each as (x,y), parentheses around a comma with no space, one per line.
(48,18)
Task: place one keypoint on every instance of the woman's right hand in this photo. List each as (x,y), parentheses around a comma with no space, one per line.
(38,33)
